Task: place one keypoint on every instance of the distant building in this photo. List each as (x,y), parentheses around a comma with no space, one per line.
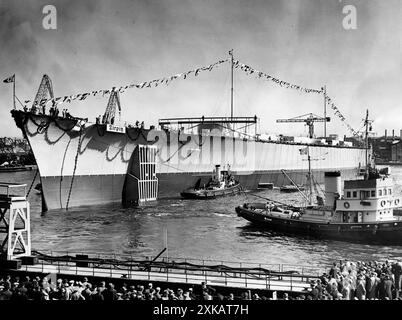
(387,148)
(16,151)
(396,152)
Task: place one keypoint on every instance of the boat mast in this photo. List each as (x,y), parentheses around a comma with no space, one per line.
(309,177)
(325,111)
(366,123)
(231,89)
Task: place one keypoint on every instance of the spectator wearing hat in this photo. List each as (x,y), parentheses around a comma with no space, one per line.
(98,296)
(85,282)
(192,295)
(165,295)
(6,293)
(360,289)
(314,290)
(102,286)
(388,287)
(87,293)
(158,293)
(65,293)
(334,291)
(180,294)
(187,295)
(397,271)
(346,289)
(334,270)
(151,288)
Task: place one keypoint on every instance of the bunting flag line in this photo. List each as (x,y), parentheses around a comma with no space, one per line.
(261,75)
(340,115)
(146,84)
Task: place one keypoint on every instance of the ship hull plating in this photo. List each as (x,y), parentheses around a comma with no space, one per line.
(88,165)
(104,189)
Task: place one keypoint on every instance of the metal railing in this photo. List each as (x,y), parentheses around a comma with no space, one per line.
(278,277)
(276,267)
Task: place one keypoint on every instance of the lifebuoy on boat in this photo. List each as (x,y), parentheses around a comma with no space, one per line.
(397,202)
(383,203)
(346,205)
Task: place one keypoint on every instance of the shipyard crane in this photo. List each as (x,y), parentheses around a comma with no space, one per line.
(45,90)
(109,116)
(308,119)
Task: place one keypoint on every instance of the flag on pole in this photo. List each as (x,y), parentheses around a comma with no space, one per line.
(9,79)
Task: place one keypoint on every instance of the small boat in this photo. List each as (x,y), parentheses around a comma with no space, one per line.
(366,211)
(266,185)
(14,168)
(291,188)
(222,183)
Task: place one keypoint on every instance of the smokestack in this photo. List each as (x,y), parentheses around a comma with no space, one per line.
(400,134)
(218,172)
(385,133)
(393,133)
(332,187)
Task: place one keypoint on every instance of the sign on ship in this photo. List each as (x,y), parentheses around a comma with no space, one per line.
(117,129)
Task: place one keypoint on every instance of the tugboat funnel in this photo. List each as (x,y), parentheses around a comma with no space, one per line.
(218,172)
(333,187)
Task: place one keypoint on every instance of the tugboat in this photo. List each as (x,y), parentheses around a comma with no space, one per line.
(367,211)
(221,184)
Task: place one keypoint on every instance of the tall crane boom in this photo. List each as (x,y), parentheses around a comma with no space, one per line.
(45,91)
(110,112)
(308,119)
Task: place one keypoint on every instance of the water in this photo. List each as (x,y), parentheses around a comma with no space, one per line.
(194,229)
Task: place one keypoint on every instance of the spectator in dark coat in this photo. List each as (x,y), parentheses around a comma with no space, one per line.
(110,293)
(360,289)
(397,271)
(6,293)
(388,287)
(98,296)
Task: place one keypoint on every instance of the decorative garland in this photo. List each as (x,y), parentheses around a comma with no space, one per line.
(251,71)
(340,115)
(146,84)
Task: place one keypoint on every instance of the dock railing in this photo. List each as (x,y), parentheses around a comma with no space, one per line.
(248,275)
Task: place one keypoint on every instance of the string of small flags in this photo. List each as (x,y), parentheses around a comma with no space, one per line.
(251,71)
(146,84)
(340,115)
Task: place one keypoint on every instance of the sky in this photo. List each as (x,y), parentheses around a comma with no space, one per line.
(99,44)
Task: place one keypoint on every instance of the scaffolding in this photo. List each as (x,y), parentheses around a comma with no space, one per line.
(14,222)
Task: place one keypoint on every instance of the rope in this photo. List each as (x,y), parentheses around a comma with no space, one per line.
(75,167)
(61,172)
(275,201)
(32,183)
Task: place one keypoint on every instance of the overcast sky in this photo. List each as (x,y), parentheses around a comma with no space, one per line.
(101,44)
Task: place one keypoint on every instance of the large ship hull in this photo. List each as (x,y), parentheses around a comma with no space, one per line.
(91,165)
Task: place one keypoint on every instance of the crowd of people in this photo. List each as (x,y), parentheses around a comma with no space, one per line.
(53,111)
(39,289)
(358,281)
(344,281)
